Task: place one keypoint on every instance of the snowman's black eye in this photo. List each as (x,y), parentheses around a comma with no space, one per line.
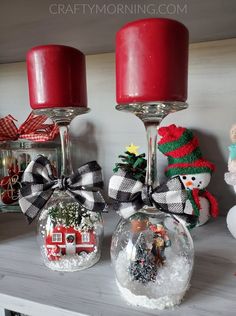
(184,177)
(193,178)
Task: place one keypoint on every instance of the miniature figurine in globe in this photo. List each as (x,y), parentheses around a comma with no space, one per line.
(189,174)
(230,178)
(70,227)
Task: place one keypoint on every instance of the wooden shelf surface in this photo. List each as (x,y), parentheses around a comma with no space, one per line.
(27,286)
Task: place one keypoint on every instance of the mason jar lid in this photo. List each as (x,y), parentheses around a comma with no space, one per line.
(26,144)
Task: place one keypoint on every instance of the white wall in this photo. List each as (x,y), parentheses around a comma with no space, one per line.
(104,132)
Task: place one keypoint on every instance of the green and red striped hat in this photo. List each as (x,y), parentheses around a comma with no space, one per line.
(182,150)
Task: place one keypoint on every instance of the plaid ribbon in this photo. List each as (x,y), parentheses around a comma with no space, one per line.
(34,129)
(131,195)
(38,184)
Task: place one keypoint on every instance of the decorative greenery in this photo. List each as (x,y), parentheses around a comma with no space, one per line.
(139,217)
(67,214)
(72,214)
(135,164)
(88,220)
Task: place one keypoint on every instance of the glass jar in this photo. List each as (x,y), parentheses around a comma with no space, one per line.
(152,254)
(14,158)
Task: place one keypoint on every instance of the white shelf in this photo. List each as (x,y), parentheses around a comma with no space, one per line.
(27,286)
(91,26)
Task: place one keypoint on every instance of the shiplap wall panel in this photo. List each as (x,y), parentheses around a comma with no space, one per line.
(104,132)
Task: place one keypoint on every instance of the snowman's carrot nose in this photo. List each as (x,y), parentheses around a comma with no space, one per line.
(188,183)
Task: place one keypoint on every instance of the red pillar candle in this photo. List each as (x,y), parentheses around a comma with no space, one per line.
(56,77)
(151,61)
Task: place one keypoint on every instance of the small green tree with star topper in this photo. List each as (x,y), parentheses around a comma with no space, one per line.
(133,163)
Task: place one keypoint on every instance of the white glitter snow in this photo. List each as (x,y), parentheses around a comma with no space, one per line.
(167,291)
(70,263)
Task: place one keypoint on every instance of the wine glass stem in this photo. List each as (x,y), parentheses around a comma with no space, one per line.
(151,174)
(66,166)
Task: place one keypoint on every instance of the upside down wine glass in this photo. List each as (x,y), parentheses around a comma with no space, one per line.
(69,235)
(151,251)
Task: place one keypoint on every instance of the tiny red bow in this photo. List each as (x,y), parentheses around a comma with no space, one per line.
(32,129)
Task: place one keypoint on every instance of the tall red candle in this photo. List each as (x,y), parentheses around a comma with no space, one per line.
(56,77)
(151,61)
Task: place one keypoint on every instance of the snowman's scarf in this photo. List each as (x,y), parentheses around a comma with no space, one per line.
(194,197)
(214,207)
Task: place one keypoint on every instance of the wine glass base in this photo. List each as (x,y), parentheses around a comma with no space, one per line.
(152,111)
(62,115)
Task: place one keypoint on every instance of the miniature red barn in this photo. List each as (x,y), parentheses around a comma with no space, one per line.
(68,240)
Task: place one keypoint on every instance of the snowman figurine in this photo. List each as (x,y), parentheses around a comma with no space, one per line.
(230,178)
(188,176)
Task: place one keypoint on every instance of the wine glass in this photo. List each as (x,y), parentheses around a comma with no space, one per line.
(152,251)
(69,235)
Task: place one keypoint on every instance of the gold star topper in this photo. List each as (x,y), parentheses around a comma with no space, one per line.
(132,149)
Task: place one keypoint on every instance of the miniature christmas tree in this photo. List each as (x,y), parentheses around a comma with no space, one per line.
(72,214)
(143,269)
(133,163)
(66,214)
(88,219)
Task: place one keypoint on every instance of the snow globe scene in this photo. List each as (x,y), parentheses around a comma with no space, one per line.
(69,235)
(152,252)
(153,256)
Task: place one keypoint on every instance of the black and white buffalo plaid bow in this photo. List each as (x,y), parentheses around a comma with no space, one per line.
(38,184)
(131,195)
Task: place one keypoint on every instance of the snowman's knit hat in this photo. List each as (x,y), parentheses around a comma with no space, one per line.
(182,150)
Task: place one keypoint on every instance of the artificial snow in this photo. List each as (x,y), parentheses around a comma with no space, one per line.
(167,291)
(71,263)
